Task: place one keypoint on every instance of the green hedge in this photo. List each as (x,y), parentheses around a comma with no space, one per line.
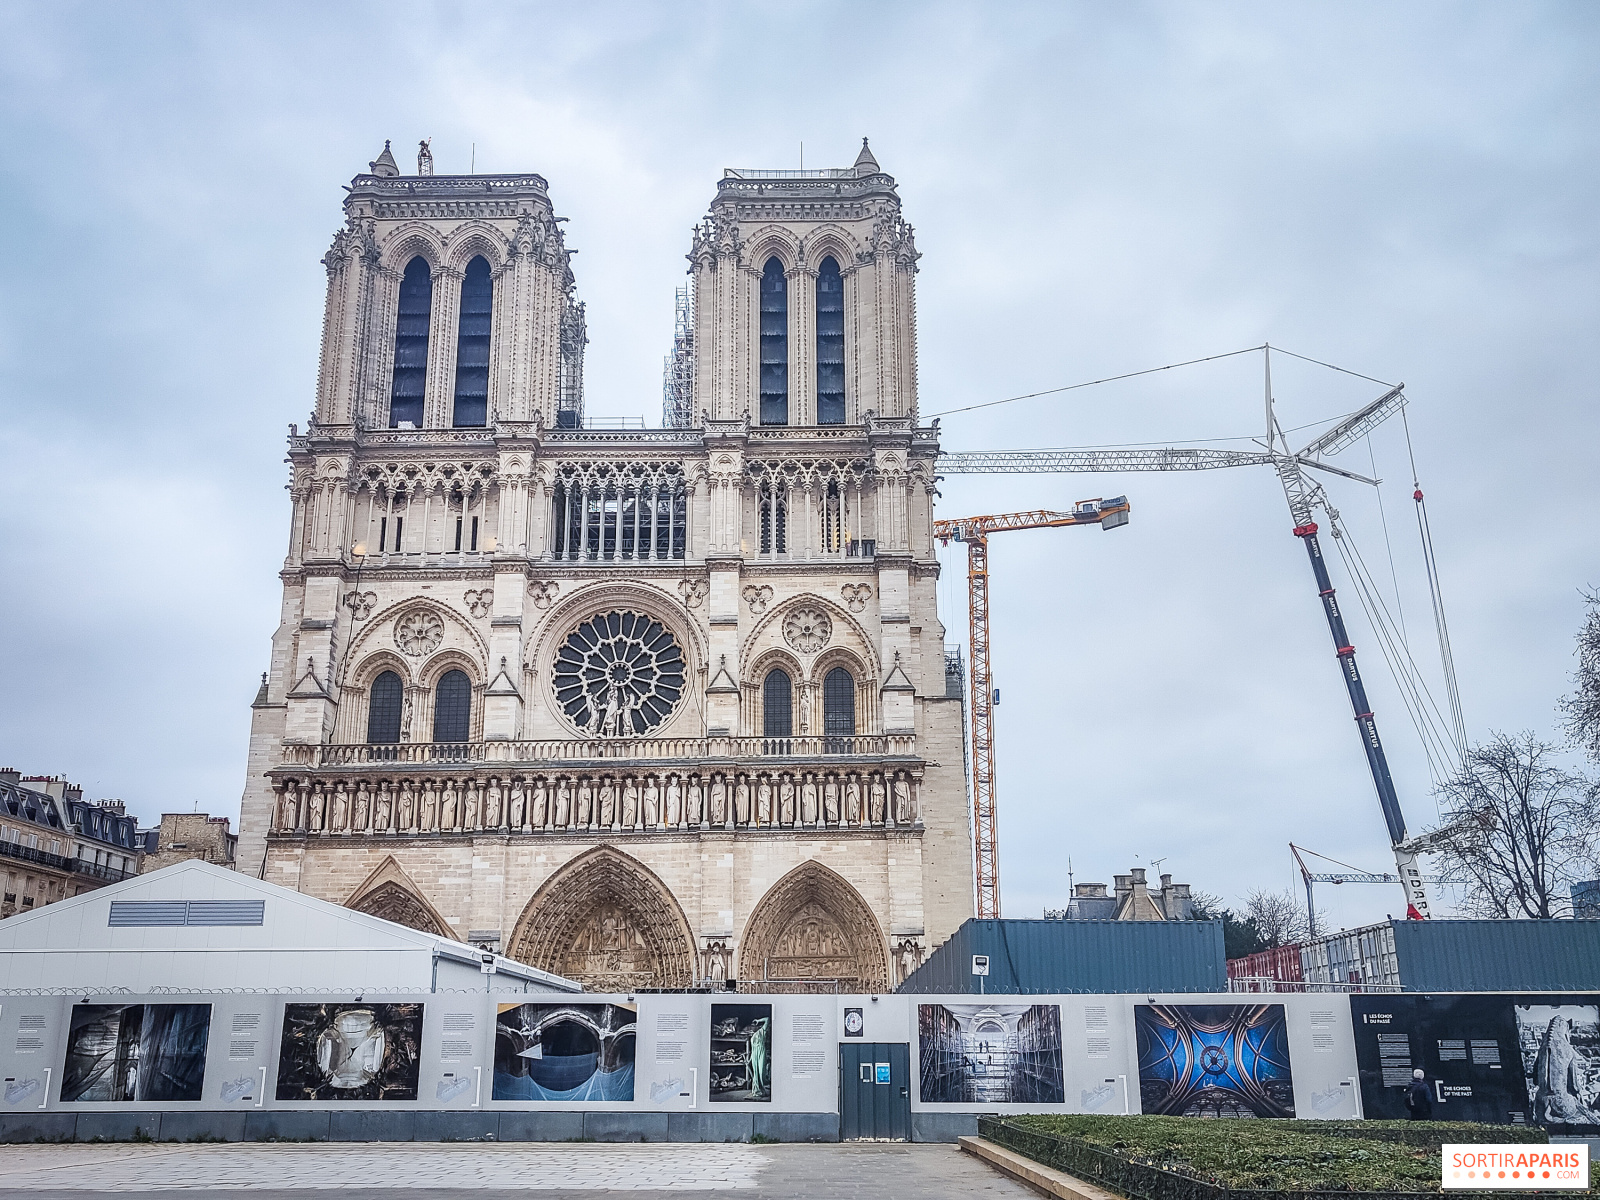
(1175,1158)
(1432,1134)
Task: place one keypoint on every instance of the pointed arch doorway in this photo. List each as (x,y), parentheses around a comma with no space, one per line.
(606,921)
(812,926)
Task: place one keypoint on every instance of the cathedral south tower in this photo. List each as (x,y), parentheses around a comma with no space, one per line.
(645,708)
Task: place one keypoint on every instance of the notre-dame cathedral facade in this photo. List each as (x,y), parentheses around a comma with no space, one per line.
(644,707)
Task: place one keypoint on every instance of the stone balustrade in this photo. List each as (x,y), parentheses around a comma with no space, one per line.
(583,750)
(596,801)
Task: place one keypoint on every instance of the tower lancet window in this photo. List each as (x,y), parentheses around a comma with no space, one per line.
(411,346)
(774,345)
(830,343)
(383,709)
(472,346)
(777,705)
(838,705)
(774,519)
(452,707)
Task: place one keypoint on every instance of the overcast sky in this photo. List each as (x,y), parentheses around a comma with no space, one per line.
(1409,191)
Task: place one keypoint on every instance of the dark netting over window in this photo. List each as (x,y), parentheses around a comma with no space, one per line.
(774,345)
(411,344)
(830,344)
(383,709)
(839,704)
(619,674)
(777,706)
(452,708)
(472,346)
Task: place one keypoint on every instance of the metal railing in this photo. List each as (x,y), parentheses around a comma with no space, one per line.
(29,854)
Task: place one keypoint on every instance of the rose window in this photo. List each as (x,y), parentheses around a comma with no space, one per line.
(619,674)
(807,630)
(419,632)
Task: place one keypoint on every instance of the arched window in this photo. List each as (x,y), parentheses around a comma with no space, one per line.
(777,707)
(830,344)
(774,345)
(383,709)
(839,704)
(411,345)
(452,707)
(472,346)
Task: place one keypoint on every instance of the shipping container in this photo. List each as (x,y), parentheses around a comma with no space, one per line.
(1353,959)
(1498,956)
(1077,956)
(1277,969)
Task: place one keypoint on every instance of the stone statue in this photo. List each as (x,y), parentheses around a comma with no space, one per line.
(541,804)
(363,812)
(852,799)
(608,803)
(763,801)
(472,805)
(786,799)
(719,800)
(407,808)
(1559,1079)
(694,801)
(491,805)
(449,811)
(652,803)
(341,809)
(563,803)
(630,802)
(902,799)
(319,809)
(430,806)
(519,805)
(585,814)
(808,800)
(741,801)
(674,800)
(875,800)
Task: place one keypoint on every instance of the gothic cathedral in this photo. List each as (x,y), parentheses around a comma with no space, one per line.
(642,707)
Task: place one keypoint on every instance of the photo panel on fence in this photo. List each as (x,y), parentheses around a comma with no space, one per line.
(572,1052)
(1214,1060)
(120,1052)
(1498,1059)
(741,1053)
(354,1051)
(991,1053)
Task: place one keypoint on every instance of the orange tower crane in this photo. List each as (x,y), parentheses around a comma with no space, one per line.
(975,531)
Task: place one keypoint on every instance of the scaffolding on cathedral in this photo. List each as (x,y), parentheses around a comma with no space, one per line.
(677,375)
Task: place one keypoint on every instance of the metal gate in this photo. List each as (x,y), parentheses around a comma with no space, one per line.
(875,1091)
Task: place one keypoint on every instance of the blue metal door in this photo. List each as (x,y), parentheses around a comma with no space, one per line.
(875,1091)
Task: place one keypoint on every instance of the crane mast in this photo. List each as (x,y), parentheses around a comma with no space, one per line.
(974,532)
(1303,494)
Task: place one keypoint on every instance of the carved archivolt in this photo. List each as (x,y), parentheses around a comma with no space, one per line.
(812,925)
(608,922)
(390,894)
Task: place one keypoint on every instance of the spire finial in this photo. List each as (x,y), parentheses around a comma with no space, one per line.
(866,164)
(384,166)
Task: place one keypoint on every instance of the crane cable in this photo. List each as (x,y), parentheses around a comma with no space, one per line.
(1436,595)
(1432,729)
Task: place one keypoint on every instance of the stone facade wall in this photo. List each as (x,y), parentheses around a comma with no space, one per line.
(718,554)
(183,836)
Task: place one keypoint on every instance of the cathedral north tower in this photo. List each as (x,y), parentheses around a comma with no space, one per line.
(642,707)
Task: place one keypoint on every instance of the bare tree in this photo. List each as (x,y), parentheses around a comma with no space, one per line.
(1278,917)
(1581,710)
(1518,829)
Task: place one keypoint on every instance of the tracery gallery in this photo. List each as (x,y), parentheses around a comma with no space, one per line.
(645,708)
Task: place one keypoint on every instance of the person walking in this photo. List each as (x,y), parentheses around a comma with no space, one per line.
(1419,1098)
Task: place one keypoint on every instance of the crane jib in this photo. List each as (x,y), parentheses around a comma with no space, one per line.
(1346,653)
